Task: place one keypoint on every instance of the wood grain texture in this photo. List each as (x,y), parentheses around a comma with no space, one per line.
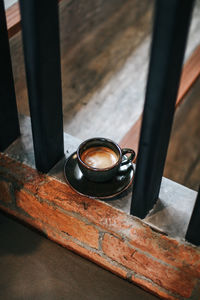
(104,56)
(99,65)
(13,19)
(103,84)
(131,139)
(190,73)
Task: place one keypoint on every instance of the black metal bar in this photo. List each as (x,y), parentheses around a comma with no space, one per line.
(193,233)
(9,124)
(40,30)
(171,25)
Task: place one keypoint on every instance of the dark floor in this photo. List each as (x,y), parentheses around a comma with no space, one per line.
(183,159)
(32,267)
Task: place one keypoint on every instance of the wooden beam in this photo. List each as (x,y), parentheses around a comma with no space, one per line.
(190,73)
(131,138)
(13,19)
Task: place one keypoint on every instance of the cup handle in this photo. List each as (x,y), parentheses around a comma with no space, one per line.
(128,159)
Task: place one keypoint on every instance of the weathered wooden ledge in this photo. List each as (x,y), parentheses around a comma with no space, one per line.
(165,266)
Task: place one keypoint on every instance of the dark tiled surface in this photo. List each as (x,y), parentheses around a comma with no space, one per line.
(32,267)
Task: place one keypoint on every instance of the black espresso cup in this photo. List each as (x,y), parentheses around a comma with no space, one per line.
(99,159)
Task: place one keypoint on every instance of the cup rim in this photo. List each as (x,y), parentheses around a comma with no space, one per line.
(99,169)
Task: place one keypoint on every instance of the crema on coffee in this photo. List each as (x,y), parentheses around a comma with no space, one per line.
(99,157)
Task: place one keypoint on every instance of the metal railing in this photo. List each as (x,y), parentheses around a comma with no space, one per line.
(40,32)
(171,26)
(42,61)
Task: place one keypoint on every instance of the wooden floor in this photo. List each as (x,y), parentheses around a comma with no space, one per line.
(100,82)
(183,159)
(105,54)
(34,268)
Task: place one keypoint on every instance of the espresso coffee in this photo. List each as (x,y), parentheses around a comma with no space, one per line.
(99,157)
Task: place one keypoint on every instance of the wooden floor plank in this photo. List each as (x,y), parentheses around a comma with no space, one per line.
(183,157)
(190,73)
(131,139)
(99,78)
(13,19)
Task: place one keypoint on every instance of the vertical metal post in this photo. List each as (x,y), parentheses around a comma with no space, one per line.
(171,25)
(193,234)
(40,30)
(9,124)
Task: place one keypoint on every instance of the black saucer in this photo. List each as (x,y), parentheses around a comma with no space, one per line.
(101,190)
